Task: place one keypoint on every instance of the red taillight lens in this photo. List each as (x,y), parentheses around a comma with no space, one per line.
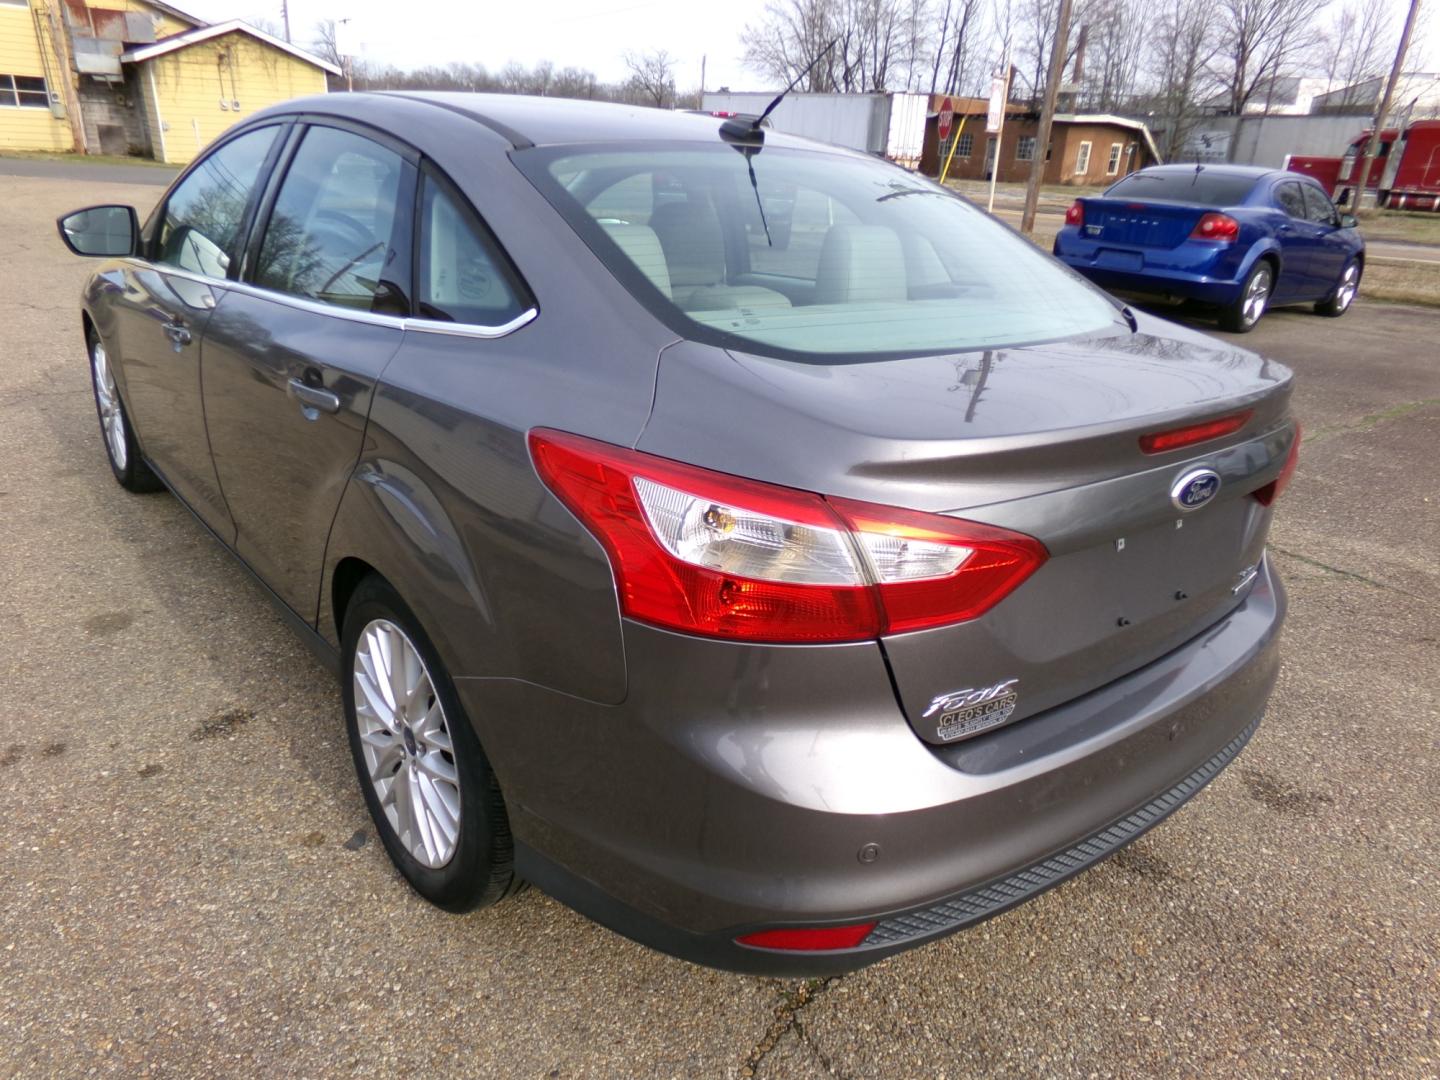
(1076,214)
(1273,490)
(810,939)
(721,556)
(1161,441)
(1221,227)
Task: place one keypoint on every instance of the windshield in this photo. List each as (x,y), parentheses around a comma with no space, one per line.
(816,255)
(1184,186)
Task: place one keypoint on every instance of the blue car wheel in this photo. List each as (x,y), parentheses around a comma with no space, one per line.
(1345,293)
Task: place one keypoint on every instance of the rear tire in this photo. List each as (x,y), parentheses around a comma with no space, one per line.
(1241,316)
(116,433)
(1345,292)
(431,792)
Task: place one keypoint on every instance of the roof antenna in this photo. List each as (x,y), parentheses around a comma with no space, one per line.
(747,129)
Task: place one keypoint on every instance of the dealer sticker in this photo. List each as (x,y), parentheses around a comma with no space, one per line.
(970,711)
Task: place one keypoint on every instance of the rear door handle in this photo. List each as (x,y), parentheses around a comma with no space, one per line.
(178,333)
(313,397)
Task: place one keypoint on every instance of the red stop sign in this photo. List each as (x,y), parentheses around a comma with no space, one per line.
(947,117)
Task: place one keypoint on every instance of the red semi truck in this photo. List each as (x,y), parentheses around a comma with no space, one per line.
(1405,173)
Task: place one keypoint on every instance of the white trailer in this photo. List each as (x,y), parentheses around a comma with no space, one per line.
(887,125)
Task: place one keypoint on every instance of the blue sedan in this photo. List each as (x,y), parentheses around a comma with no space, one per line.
(1241,238)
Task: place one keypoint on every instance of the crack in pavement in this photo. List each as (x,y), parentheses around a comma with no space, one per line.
(1343,573)
(787,1017)
(824,1058)
(1368,421)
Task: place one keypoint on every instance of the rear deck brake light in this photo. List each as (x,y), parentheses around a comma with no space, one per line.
(808,938)
(1273,490)
(720,556)
(1076,214)
(1220,227)
(1161,442)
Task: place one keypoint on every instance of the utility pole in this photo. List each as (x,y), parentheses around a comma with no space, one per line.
(285,15)
(1373,145)
(1047,117)
(700,103)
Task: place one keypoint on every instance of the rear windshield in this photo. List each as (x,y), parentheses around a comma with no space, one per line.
(1187,186)
(816,255)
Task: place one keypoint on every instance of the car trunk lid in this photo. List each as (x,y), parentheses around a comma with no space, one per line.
(1129,223)
(1043,440)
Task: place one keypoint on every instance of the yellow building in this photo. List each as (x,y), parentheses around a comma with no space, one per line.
(137,77)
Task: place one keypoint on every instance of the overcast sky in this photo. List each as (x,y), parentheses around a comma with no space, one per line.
(592,34)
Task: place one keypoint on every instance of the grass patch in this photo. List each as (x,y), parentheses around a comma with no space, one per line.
(1402,282)
(1405,226)
(83,159)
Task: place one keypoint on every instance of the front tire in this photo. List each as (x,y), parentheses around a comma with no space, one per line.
(1345,293)
(431,792)
(121,447)
(1240,316)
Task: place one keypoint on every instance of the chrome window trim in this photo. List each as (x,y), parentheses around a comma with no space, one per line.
(397,322)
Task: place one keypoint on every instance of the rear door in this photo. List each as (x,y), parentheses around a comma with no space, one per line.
(292,353)
(166,302)
(1332,248)
(1299,243)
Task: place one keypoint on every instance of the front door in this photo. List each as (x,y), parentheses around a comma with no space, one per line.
(162,308)
(292,354)
(1332,249)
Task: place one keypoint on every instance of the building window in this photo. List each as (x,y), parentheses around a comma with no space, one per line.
(965,145)
(1113,165)
(1025,148)
(24,91)
(1082,159)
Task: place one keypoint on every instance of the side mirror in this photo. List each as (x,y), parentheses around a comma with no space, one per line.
(101,231)
(1349,221)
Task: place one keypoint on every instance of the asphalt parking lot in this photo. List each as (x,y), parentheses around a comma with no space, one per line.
(190,885)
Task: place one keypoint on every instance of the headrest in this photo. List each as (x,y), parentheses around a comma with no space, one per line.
(693,242)
(860,264)
(642,248)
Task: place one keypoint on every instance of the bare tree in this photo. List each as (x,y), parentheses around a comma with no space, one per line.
(1357,45)
(323,44)
(788,37)
(1117,33)
(652,77)
(1260,41)
(1185,42)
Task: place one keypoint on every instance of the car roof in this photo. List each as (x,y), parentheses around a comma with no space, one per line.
(540,121)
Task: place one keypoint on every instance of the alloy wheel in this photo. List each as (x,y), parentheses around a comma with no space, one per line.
(405,741)
(1257,295)
(112,420)
(1349,286)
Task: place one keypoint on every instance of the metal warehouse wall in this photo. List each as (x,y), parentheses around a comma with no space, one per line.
(1265,140)
(859,121)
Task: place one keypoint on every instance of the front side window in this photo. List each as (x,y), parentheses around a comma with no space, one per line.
(200,227)
(814,256)
(463,276)
(1025,148)
(1082,159)
(331,236)
(1318,207)
(24,92)
(1291,199)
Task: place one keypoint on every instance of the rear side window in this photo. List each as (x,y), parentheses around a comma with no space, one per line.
(331,235)
(1318,207)
(1290,199)
(462,277)
(200,227)
(1183,186)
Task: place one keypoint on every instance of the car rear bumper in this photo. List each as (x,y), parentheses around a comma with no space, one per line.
(1158,281)
(778,789)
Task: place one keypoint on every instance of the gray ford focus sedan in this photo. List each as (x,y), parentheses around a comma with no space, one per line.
(747,541)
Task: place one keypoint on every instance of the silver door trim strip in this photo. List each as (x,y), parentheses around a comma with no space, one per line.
(396,322)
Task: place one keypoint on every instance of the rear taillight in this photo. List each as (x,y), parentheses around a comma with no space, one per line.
(809,939)
(721,556)
(1160,442)
(1220,227)
(1273,490)
(1076,214)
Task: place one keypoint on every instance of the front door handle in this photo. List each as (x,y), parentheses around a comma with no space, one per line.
(313,397)
(178,333)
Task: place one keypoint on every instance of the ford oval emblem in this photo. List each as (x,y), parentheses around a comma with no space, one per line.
(1194,489)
